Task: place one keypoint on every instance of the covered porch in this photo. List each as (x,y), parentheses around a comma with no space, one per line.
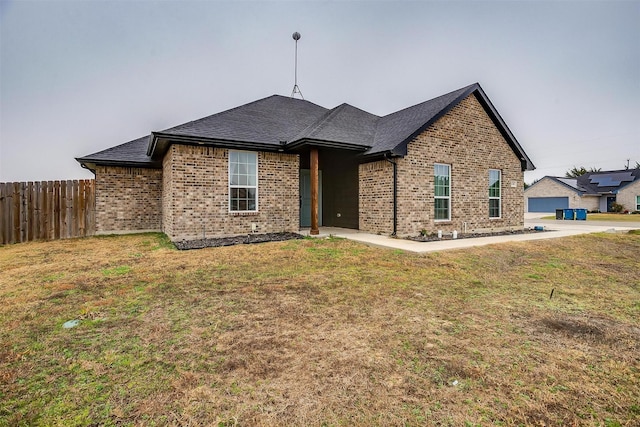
(328,189)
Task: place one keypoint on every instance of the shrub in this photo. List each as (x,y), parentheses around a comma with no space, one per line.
(616,207)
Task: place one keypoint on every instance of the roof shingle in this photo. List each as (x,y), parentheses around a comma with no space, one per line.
(277,120)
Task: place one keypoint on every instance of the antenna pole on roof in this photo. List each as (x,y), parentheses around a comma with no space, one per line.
(296,89)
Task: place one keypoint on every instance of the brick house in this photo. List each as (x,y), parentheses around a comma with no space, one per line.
(592,191)
(282,164)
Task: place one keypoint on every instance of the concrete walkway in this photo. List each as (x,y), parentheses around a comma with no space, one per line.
(554,229)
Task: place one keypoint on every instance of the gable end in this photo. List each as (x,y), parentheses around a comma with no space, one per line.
(476,90)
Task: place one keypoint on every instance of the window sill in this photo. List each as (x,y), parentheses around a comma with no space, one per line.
(244,213)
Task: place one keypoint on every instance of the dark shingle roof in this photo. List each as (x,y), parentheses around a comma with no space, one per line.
(346,124)
(266,121)
(278,122)
(132,153)
(400,127)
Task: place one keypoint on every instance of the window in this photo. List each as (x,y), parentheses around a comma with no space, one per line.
(442,192)
(638,203)
(243,181)
(494,193)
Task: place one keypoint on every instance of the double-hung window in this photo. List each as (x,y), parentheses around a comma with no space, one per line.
(494,193)
(442,192)
(243,181)
(638,203)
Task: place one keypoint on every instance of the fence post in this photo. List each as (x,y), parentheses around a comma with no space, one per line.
(3,218)
(51,208)
(37,206)
(63,210)
(72,194)
(16,212)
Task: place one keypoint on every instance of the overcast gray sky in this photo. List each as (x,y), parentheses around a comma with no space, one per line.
(77,77)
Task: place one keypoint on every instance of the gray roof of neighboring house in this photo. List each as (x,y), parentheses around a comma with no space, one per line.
(283,123)
(598,183)
(571,182)
(607,182)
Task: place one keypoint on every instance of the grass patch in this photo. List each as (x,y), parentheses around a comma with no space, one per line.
(320,332)
(116,271)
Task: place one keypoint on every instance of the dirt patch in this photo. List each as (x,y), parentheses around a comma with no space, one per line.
(449,236)
(592,330)
(236,240)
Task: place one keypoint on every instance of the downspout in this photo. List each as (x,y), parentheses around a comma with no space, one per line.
(395,194)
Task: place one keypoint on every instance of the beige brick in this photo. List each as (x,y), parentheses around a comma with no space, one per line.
(627,196)
(466,139)
(128,199)
(196,194)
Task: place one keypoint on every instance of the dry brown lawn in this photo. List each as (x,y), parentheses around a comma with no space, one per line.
(320,332)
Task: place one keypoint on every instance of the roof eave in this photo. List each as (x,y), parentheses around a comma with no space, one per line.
(380,155)
(310,142)
(160,142)
(89,163)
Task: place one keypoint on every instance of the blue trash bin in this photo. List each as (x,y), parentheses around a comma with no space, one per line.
(568,214)
(581,214)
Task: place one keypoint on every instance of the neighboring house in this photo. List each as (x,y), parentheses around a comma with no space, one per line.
(281,164)
(592,191)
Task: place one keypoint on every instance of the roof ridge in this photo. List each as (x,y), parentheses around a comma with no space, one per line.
(316,125)
(275,95)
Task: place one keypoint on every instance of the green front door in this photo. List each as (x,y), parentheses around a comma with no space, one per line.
(305,198)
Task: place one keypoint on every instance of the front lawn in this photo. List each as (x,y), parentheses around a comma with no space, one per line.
(320,332)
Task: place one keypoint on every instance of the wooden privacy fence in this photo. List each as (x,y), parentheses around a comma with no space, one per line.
(46,210)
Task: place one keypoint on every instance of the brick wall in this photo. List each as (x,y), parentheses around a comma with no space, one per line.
(167,193)
(376,197)
(196,201)
(627,196)
(549,188)
(128,199)
(467,140)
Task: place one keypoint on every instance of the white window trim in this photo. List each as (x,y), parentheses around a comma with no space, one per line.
(242,186)
(448,219)
(638,203)
(499,198)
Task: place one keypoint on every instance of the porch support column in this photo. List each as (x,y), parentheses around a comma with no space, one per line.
(314,192)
